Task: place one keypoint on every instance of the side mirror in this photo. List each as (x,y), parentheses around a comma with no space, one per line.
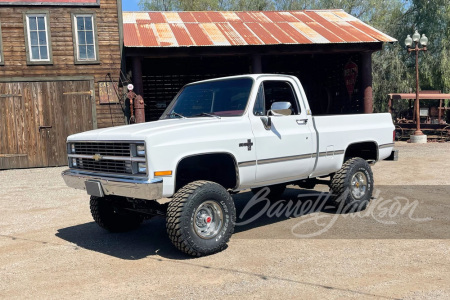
(267,122)
(281,108)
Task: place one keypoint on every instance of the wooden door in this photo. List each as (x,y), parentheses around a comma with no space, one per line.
(37,117)
(13,143)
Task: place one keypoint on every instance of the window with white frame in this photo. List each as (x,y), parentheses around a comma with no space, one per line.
(85,38)
(39,48)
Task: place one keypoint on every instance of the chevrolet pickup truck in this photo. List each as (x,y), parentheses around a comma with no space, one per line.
(216,138)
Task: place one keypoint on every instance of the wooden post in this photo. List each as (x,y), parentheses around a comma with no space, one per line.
(136,69)
(256,64)
(367,81)
(138,90)
(139,109)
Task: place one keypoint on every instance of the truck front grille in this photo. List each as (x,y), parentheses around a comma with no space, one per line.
(107,158)
(110,149)
(106,166)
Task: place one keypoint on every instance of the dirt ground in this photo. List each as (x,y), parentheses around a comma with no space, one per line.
(399,248)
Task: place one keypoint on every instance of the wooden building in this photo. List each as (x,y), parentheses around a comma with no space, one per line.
(328,50)
(58,65)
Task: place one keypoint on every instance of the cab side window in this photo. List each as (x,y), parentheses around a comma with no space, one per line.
(275,91)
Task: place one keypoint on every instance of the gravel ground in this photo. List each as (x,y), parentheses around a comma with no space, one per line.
(50,248)
(419,164)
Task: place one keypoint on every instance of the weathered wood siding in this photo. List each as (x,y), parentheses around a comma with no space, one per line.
(15,60)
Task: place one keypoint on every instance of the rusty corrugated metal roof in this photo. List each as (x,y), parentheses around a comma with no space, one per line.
(226,28)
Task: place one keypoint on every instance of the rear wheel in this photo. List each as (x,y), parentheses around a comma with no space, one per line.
(111,217)
(200,218)
(352,186)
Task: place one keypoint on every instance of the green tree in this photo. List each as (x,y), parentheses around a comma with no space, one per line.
(201,5)
(433,18)
(157,5)
(246,5)
(394,68)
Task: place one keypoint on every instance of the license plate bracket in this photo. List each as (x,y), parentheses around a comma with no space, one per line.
(94,188)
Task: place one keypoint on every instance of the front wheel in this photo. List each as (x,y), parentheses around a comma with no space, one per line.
(352,186)
(112,218)
(200,218)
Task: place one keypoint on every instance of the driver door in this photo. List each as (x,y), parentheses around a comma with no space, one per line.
(283,150)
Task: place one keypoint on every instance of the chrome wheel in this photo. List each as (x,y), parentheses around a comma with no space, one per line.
(208,219)
(358,185)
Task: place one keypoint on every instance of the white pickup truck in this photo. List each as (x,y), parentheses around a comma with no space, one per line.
(218,137)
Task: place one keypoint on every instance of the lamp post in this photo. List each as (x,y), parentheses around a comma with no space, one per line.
(418,136)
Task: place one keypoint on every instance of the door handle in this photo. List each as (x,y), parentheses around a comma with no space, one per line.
(302,121)
(44,127)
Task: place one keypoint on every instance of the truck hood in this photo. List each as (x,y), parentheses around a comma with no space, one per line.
(145,131)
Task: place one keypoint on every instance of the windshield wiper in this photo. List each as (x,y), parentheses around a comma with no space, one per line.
(177,114)
(207,114)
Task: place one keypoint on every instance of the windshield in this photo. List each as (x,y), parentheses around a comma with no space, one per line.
(216,98)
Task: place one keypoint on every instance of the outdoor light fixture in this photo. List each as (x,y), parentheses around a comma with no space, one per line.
(408,41)
(423,41)
(416,36)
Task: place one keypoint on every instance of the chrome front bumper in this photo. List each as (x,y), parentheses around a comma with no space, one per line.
(120,187)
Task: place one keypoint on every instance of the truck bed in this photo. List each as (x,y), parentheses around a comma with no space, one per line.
(336,132)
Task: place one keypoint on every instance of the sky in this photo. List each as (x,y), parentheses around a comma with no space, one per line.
(130,5)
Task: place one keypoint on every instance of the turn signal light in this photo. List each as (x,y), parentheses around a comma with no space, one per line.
(163,173)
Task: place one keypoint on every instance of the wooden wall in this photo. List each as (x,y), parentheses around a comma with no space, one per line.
(15,60)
